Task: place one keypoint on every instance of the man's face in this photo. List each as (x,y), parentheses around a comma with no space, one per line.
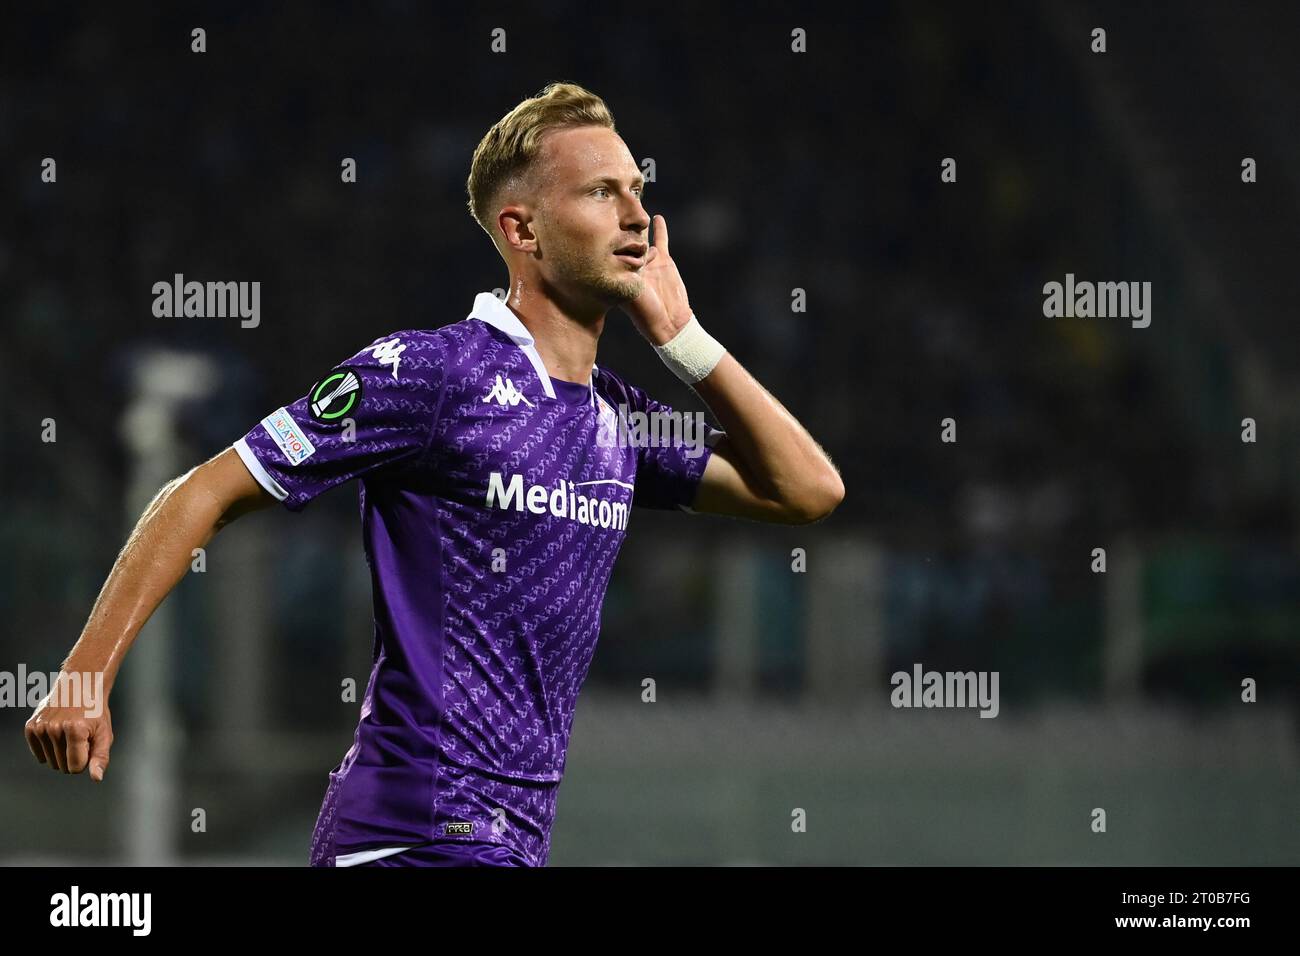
(587,207)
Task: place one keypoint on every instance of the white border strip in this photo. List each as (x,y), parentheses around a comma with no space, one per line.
(531,351)
(365,856)
(257,471)
(488,308)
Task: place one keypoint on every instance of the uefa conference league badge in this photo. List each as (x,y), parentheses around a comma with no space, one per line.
(334,396)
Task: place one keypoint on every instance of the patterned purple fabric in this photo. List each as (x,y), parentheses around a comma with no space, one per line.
(491,516)
(459,853)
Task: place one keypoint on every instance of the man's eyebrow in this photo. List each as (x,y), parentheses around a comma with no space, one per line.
(614,181)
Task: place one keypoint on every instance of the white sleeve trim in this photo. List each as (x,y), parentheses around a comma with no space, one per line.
(257,471)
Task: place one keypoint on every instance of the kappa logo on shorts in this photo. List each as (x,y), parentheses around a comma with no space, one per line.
(458,829)
(284,431)
(335,395)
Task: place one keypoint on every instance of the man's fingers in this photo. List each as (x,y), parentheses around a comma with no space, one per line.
(71,743)
(661,233)
(99,754)
(78,752)
(34,742)
(47,746)
(55,735)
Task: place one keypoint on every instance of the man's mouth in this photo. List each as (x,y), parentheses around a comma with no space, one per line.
(633,253)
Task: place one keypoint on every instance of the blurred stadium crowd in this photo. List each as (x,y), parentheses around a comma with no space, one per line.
(776,172)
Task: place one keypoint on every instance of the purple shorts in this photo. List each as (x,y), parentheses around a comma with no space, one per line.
(452,853)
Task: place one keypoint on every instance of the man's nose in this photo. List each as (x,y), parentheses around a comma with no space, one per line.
(636,217)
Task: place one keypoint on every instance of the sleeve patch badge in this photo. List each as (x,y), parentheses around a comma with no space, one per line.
(284,431)
(334,396)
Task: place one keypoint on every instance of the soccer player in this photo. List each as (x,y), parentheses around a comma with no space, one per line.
(498,466)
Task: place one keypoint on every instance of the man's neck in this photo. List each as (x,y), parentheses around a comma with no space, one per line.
(567,344)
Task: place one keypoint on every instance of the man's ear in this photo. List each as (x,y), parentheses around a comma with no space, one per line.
(516,228)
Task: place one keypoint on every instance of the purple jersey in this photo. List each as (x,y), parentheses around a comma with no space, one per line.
(493,505)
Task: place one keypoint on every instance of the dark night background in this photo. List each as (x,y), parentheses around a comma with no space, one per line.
(776,171)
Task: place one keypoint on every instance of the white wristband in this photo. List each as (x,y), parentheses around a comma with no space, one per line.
(692,353)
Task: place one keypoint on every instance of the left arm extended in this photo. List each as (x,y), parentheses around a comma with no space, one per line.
(767,467)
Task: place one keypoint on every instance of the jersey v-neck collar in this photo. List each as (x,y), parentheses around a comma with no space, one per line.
(488,308)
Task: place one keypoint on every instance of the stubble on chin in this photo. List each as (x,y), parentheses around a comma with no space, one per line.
(624,289)
(603,283)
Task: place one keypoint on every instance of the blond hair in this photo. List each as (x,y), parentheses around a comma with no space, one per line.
(508,150)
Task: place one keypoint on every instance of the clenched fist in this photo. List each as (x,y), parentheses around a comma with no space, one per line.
(69,738)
